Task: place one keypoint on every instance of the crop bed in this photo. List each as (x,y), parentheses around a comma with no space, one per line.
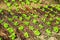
(29,23)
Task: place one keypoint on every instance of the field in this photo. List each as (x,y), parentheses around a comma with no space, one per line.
(29,20)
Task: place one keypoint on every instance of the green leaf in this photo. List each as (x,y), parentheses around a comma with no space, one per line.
(24,15)
(1,21)
(35,1)
(43,9)
(27,2)
(5,1)
(48,31)
(46,15)
(17,9)
(10,30)
(57,22)
(15,17)
(58,8)
(22,3)
(13,0)
(58,18)
(10,19)
(43,19)
(51,15)
(36,32)
(46,6)
(12,36)
(16,23)
(8,4)
(0,38)
(56,29)
(35,21)
(28,17)
(41,26)
(15,4)
(20,18)
(48,23)
(21,28)
(31,28)
(51,9)
(6,25)
(26,23)
(51,19)
(35,16)
(1,10)
(26,35)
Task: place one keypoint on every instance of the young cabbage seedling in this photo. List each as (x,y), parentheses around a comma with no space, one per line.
(34,1)
(16,4)
(58,18)
(52,15)
(43,9)
(51,9)
(51,19)
(31,28)
(36,32)
(55,12)
(20,18)
(28,17)
(58,8)
(56,29)
(5,1)
(6,25)
(15,17)
(26,23)
(48,31)
(17,9)
(46,15)
(1,21)
(46,6)
(8,4)
(48,23)
(35,21)
(27,2)
(10,30)
(41,26)
(12,36)
(31,7)
(26,34)
(10,19)
(43,19)
(22,3)
(35,16)
(24,15)
(21,28)
(16,23)
(57,22)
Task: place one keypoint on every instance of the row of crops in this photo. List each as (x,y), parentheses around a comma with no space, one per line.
(30,21)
